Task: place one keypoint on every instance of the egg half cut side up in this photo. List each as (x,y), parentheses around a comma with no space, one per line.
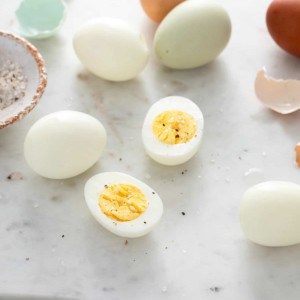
(122,204)
(172,130)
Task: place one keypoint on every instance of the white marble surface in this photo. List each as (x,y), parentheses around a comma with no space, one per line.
(202,255)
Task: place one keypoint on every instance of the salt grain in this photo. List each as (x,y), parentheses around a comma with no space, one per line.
(12,83)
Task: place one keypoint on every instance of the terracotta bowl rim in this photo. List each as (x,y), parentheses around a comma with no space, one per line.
(42,78)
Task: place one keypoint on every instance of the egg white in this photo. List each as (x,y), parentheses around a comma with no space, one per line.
(64,144)
(167,154)
(111,49)
(131,229)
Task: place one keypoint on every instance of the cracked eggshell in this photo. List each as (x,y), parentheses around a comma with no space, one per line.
(282,96)
(193,34)
(40,19)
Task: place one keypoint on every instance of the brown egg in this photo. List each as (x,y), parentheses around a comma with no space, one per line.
(283,21)
(158,9)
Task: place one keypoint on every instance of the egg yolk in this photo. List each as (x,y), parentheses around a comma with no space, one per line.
(122,202)
(174,127)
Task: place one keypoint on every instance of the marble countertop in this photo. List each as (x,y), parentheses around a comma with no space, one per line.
(51,245)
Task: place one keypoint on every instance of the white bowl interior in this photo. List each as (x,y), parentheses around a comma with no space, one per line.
(13,50)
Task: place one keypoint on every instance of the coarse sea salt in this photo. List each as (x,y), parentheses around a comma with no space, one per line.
(12,83)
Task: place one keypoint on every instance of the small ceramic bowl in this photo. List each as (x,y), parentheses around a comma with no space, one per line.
(19,51)
(40,19)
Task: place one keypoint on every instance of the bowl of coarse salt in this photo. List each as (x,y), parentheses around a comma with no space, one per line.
(23,78)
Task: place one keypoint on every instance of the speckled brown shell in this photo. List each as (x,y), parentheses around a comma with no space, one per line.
(42,81)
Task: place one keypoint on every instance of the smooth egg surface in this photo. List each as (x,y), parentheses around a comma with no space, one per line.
(158,9)
(111,49)
(64,144)
(193,34)
(172,130)
(122,204)
(270,213)
(283,22)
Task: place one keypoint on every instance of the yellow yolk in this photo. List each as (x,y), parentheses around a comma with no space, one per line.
(122,202)
(174,127)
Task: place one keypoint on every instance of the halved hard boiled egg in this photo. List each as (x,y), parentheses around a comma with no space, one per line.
(172,130)
(122,204)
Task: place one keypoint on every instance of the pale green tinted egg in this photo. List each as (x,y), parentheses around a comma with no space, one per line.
(40,18)
(193,34)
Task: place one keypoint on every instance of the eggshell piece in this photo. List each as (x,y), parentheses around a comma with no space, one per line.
(270,213)
(297,150)
(156,10)
(111,49)
(193,34)
(283,24)
(39,19)
(282,96)
(64,144)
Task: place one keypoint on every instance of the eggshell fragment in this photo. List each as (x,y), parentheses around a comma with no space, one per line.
(282,96)
(40,19)
(270,213)
(297,150)
(158,9)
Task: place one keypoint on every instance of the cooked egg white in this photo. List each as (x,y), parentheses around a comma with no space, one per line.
(172,130)
(111,49)
(64,144)
(122,204)
(270,213)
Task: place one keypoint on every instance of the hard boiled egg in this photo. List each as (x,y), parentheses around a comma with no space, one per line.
(172,130)
(193,34)
(122,204)
(270,213)
(64,144)
(111,49)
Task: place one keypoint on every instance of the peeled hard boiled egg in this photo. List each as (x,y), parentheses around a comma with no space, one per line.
(122,204)
(172,130)
(270,213)
(64,144)
(111,49)
(193,34)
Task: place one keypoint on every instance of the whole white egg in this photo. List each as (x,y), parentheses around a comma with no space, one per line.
(64,144)
(193,34)
(270,213)
(172,130)
(111,49)
(122,204)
